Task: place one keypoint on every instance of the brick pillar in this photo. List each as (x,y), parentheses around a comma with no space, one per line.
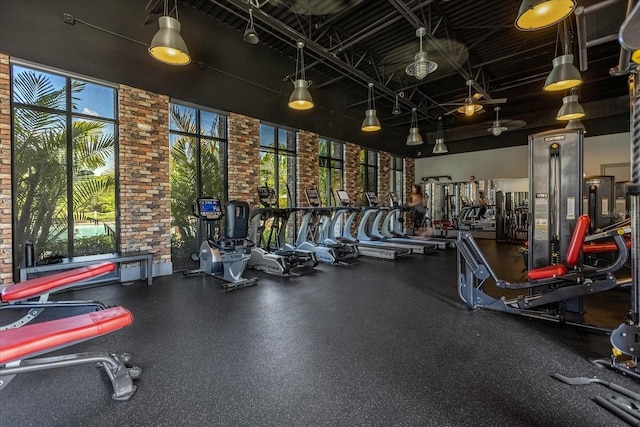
(353,186)
(244,159)
(409,174)
(6,237)
(145,194)
(384,176)
(409,180)
(308,164)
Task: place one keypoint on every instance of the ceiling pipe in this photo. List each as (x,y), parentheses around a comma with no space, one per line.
(581,26)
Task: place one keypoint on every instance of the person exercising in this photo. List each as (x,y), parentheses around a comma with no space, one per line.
(482,202)
(419,205)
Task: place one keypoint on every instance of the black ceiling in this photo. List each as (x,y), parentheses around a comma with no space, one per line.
(356,41)
(349,43)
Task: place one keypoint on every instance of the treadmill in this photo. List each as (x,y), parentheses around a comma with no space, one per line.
(373,234)
(370,248)
(392,227)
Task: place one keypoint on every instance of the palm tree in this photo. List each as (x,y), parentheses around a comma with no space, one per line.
(40,160)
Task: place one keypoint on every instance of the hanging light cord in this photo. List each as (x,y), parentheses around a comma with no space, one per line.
(371,104)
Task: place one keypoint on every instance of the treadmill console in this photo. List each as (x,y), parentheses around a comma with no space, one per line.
(209,208)
(343,198)
(267,196)
(373,198)
(312,197)
(394,200)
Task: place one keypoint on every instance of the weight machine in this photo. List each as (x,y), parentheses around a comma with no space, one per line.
(557,278)
(224,258)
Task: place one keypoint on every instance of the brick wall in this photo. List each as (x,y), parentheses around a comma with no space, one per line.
(145,193)
(308,164)
(384,177)
(244,158)
(409,174)
(353,187)
(6,239)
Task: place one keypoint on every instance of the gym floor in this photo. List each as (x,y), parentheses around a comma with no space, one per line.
(380,343)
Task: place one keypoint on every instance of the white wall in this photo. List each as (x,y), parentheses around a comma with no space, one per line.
(505,164)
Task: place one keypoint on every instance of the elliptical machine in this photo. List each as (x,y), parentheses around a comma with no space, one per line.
(281,259)
(224,258)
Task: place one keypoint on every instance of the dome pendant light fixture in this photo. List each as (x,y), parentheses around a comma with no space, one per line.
(440,147)
(250,34)
(571,108)
(576,124)
(537,14)
(421,66)
(167,45)
(414,137)
(496,129)
(371,122)
(470,107)
(300,98)
(564,74)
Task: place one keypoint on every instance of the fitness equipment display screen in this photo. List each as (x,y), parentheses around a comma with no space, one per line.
(209,208)
(343,196)
(372,197)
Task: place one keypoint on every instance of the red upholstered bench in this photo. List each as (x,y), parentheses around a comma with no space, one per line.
(54,282)
(19,345)
(572,257)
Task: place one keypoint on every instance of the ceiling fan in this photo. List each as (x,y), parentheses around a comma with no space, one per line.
(498,126)
(473,103)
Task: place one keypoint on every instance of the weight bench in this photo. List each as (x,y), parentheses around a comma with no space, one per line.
(19,345)
(545,285)
(23,294)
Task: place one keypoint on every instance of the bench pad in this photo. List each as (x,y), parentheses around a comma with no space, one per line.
(41,285)
(30,340)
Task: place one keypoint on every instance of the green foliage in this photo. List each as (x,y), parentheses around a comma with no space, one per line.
(91,245)
(40,166)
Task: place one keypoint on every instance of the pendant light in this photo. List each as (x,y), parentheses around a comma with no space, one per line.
(470,107)
(414,137)
(571,108)
(421,66)
(538,14)
(371,122)
(167,45)
(564,74)
(300,98)
(250,34)
(576,124)
(396,107)
(440,147)
(497,127)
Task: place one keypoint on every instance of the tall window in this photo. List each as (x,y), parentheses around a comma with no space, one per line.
(278,168)
(64,157)
(197,167)
(278,162)
(368,173)
(397,177)
(331,169)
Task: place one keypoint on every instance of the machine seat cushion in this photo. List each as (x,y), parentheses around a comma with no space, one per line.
(574,250)
(593,248)
(33,339)
(41,285)
(547,272)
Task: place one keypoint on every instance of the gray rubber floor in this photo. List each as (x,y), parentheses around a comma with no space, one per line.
(381,343)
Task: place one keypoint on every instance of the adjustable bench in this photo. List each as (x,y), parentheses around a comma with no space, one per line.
(32,340)
(22,294)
